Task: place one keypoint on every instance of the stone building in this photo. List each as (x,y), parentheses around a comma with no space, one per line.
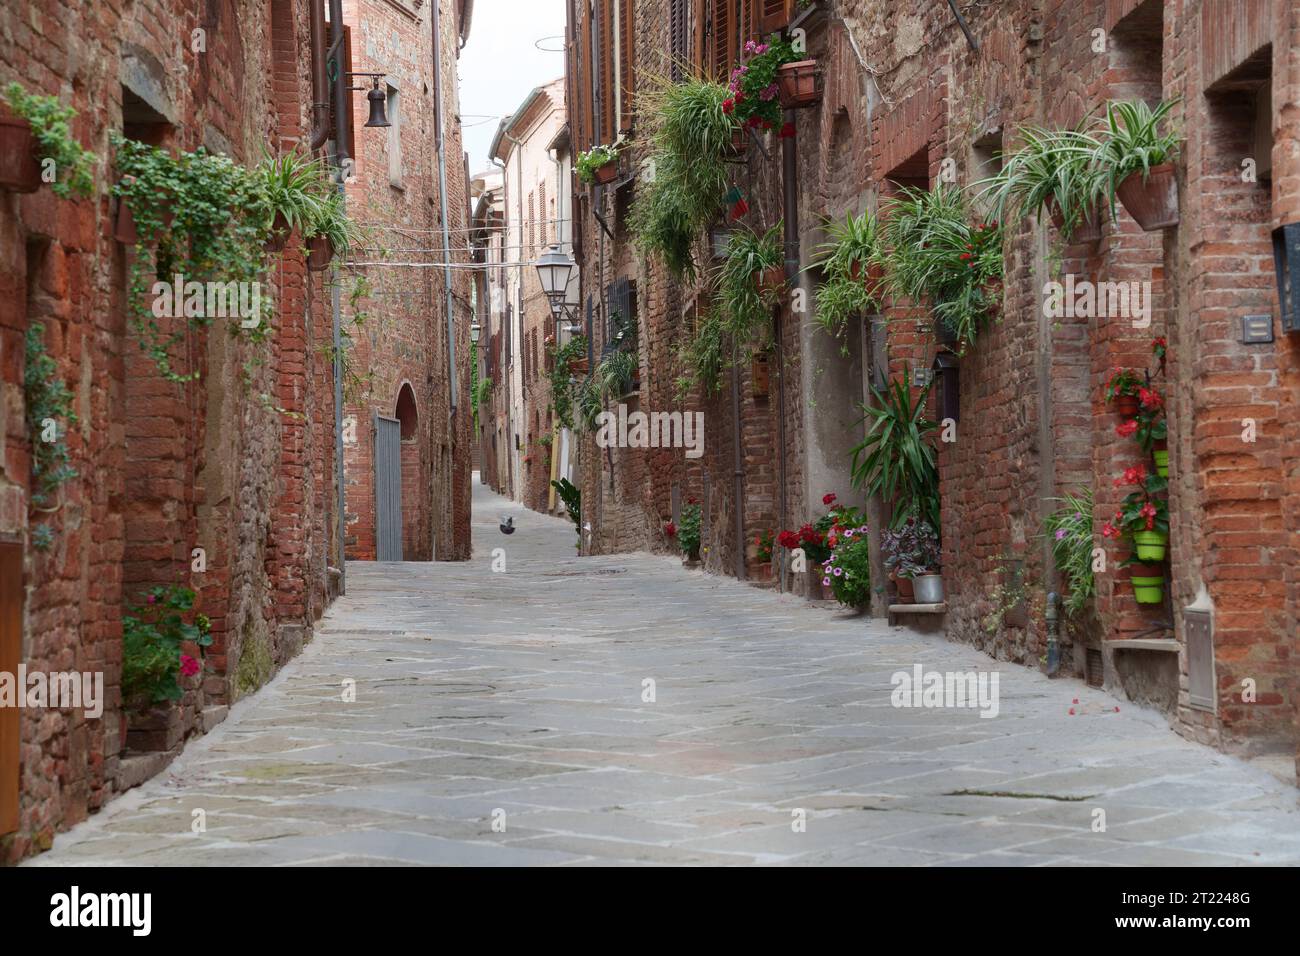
(908,98)
(222,483)
(488,241)
(408,316)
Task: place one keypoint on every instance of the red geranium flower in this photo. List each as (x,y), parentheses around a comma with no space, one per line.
(189,666)
(828,499)
(670,529)
(728,105)
(787,130)
(1127,428)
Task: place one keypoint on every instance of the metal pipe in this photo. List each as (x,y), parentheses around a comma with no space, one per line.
(738,476)
(336,308)
(442,199)
(342,91)
(320,107)
(1053,633)
(790,218)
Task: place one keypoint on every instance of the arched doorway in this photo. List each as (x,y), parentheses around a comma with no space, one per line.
(414,540)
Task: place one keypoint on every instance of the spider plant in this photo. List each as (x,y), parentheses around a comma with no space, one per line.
(706,354)
(744,305)
(1056,170)
(616,373)
(330,220)
(294,187)
(936,254)
(895,460)
(851,249)
(1134,142)
(1069,530)
(589,403)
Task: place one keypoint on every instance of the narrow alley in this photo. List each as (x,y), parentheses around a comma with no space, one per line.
(485,698)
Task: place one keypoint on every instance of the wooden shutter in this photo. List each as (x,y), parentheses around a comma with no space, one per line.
(588,83)
(774,14)
(700,48)
(350,146)
(626,61)
(748,22)
(608,81)
(678,40)
(721,38)
(11,643)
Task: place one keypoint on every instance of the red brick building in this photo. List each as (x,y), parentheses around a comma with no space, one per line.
(909,100)
(224,484)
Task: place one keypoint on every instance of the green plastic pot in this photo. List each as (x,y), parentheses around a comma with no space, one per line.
(1150,545)
(1162,463)
(1148,590)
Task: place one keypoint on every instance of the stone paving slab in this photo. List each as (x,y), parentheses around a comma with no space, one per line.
(517,698)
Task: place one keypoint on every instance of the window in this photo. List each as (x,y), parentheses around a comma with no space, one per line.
(395,138)
(620,315)
(679,32)
(626,61)
(532,225)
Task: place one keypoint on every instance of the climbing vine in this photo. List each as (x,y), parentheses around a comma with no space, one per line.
(48,403)
(50,119)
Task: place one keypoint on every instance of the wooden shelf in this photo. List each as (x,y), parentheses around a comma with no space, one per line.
(919,608)
(1166,644)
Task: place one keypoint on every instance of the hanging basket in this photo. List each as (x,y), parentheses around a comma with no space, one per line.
(1150,545)
(320,253)
(873,279)
(1148,582)
(1087,230)
(1151,200)
(606,174)
(280,232)
(797,84)
(20,171)
(1126,406)
(124,228)
(771,280)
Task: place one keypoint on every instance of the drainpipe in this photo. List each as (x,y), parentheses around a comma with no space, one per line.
(738,487)
(1053,633)
(342,91)
(342,132)
(320,107)
(790,218)
(442,199)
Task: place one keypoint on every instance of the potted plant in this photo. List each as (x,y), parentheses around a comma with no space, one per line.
(895,460)
(1139,162)
(157,636)
(853,272)
(295,188)
(936,254)
(763,543)
(814,539)
(911,552)
(756,85)
(750,279)
(1069,530)
(1152,429)
(328,231)
(848,569)
(598,165)
(1056,171)
(688,533)
(35,128)
(1148,581)
(1143,516)
(1121,389)
(617,374)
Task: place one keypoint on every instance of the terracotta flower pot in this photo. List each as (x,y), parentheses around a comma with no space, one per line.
(20,170)
(905,591)
(1148,582)
(1126,406)
(280,232)
(770,280)
(1151,200)
(124,228)
(607,174)
(873,279)
(797,84)
(1088,230)
(1150,545)
(320,253)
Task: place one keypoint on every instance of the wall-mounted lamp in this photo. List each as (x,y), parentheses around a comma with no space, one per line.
(947,374)
(1286,264)
(558,274)
(475,330)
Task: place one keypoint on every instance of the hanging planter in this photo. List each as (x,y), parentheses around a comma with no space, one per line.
(1150,545)
(320,253)
(770,280)
(598,165)
(1151,200)
(1161,455)
(1148,583)
(281,229)
(124,230)
(797,85)
(579,366)
(606,174)
(1088,229)
(1127,406)
(20,172)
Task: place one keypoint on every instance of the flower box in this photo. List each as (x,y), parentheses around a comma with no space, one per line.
(20,171)
(797,84)
(606,174)
(1151,200)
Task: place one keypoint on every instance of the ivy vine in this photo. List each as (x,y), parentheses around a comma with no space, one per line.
(48,411)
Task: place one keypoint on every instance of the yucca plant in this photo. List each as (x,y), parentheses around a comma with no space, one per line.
(936,254)
(895,460)
(1053,168)
(745,307)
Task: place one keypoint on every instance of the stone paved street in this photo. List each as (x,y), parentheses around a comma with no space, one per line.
(522,692)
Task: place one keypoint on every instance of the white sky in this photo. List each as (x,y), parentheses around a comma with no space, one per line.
(500,65)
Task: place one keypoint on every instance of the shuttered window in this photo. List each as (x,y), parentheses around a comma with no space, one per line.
(608,76)
(773,14)
(722,28)
(626,61)
(679,31)
(588,80)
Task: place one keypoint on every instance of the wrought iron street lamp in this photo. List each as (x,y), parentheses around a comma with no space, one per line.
(558,274)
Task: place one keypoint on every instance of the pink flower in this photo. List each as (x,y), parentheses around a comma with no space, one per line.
(189,666)
(769,93)
(826,581)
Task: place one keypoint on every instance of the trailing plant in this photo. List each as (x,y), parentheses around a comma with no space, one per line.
(851,249)
(152,635)
(616,373)
(295,187)
(1123,381)
(1134,141)
(208,216)
(47,405)
(910,549)
(1143,509)
(847,571)
(562,380)
(754,95)
(1069,529)
(936,254)
(1058,168)
(589,404)
(571,495)
(895,460)
(332,222)
(689,134)
(744,306)
(73,165)
(707,353)
(688,529)
(593,159)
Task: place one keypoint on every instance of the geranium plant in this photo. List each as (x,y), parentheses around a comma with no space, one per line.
(688,530)
(754,92)
(592,160)
(763,547)
(1144,509)
(152,637)
(1123,381)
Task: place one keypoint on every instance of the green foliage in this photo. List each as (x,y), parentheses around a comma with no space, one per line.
(936,254)
(152,634)
(592,160)
(1058,168)
(1135,142)
(73,165)
(562,381)
(690,133)
(743,306)
(571,495)
(688,530)
(589,404)
(849,567)
(851,245)
(295,187)
(615,374)
(331,221)
(47,403)
(706,354)
(895,460)
(1069,530)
